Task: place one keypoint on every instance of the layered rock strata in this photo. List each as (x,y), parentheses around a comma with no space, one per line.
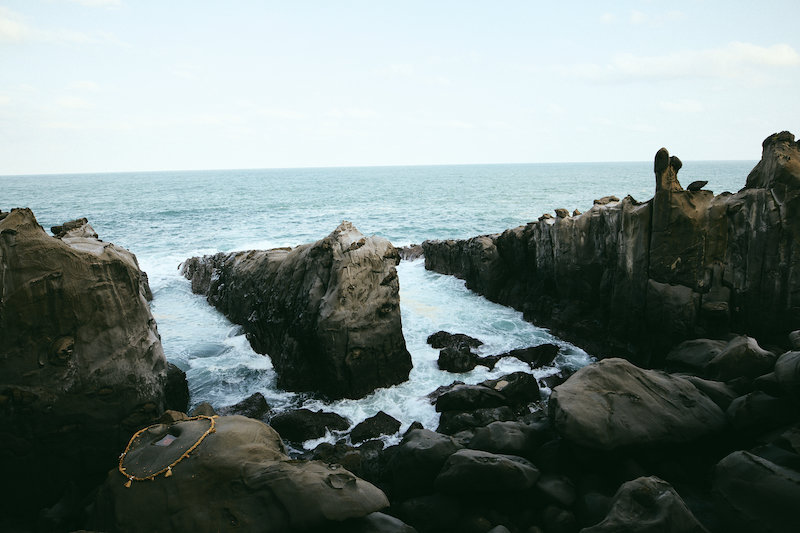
(327,313)
(81,362)
(637,278)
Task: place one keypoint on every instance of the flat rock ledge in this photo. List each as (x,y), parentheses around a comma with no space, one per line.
(327,313)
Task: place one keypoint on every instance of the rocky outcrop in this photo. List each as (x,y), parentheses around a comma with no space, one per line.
(637,278)
(81,362)
(327,313)
(238,478)
(612,404)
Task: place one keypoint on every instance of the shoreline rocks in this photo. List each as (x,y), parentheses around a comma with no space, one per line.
(327,313)
(635,279)
(81,362)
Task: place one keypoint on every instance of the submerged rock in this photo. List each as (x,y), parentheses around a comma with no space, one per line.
(238,477)
(81,362)
(613,403)
(300,425)
(327,313)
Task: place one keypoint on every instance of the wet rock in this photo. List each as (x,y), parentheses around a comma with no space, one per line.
(471,471)
(254,406)
(375,426)
(535,356)
(469,398)
(327,313)
(613,403)
(300,425)
(176,389)
(237,478)
(81,362)
(417,461)
(518,388)
(451,422)
(753,494)
(457,360)
(443,339)
(410,252)
(647,505)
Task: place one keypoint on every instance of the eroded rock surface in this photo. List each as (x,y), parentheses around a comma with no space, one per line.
(612,403)
(327,313)
(238,478)
(638,278)
(81,362)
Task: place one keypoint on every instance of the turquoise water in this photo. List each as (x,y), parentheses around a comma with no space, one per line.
(166,217)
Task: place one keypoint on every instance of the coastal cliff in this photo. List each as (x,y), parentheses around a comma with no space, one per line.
(81,362)
(636,278)
(327,313)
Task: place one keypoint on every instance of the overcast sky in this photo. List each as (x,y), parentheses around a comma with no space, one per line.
(113,85)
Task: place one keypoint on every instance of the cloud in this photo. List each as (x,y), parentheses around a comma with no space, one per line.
(4,99)
(72,102)
(732,61)
(352,113)
(682,106)
(84,85)
(15,30)
(97,3)
(607,18)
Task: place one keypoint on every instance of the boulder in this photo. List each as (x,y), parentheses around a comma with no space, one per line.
(694,355)
(327,313)
(458,360)
(300,425)
(558,489)
(648,505)
(753,494)
(176,389)
(471,471)
(237,477)
(794,339)
(375,426)
(741,357)
(469,398)
(510,437)
(719,392)
(787,374)
(254,406)
(81,362)
(613,403)
(372,523)
(451,422)
(417,460)
(758,412)
(518,388)
(535,356)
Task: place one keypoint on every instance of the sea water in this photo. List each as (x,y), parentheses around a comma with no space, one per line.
(166,217)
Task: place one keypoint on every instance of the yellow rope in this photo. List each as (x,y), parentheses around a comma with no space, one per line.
(167,471)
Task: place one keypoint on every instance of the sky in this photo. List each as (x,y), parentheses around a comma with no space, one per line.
(127,85)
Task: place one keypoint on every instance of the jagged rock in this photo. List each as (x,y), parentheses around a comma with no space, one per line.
(605,200)
(410,252)
(239,477)
(741,357)
(470,471)
(417,461)
(300,425)
(612,403)
(375,426)
(443,339)
(176,389)
(254,406)
(562,213)
(535,356)
(636,279)
(81,362)
(697,185)
(457,360)
(648,505)
(753,494)
(327,313)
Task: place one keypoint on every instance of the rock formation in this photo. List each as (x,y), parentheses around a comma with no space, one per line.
(327,313)
(238,478)
(81,363)
(637,278)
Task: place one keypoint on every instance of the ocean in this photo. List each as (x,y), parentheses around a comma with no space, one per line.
(167,217)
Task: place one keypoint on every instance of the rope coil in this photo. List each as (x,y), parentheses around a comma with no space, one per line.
(167,470)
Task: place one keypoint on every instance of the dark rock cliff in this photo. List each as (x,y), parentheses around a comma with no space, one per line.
(81,362)
(327,313)
(636,278)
